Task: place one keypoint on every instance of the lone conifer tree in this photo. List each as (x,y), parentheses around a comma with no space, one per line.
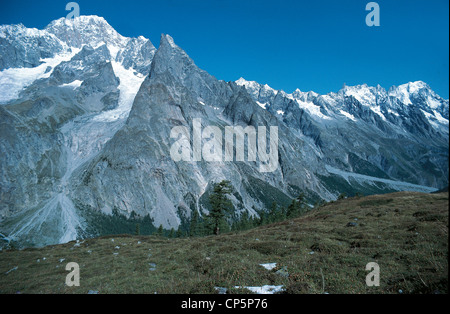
(296,207)
(138,229)
(219,204)
(160,230)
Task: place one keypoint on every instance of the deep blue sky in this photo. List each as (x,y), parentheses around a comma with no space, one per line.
(313,45)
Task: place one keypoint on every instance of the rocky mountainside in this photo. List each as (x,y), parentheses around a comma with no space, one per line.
(86,132)
(410,122)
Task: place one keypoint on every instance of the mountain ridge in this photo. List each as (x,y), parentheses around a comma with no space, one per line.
(100,107)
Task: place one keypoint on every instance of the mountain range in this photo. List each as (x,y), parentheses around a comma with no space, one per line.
(86,116)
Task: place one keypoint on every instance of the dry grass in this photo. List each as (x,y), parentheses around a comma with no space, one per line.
(405,233)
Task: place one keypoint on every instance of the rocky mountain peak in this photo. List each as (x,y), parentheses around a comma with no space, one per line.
(169,53)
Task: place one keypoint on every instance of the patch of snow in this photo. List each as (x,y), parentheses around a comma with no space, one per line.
(362,93)
(113,50)
(312,109)
(440,118)
(402,93)
(392,112)
(377,110)
(74,85)
(435,118)
(269,266)
(267,289)
(201,101)
(432,102)
(348,115)
(262,105)
(431,118)
(129,86)
(15,80)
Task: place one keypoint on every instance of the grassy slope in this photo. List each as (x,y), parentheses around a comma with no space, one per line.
(405,233)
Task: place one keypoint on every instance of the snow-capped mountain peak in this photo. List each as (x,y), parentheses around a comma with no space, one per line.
(87,30)
(256,89)
(249,84)
(413,87)
(43,50)
(366,95)
(419,93)
(416,93)
(404,91)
